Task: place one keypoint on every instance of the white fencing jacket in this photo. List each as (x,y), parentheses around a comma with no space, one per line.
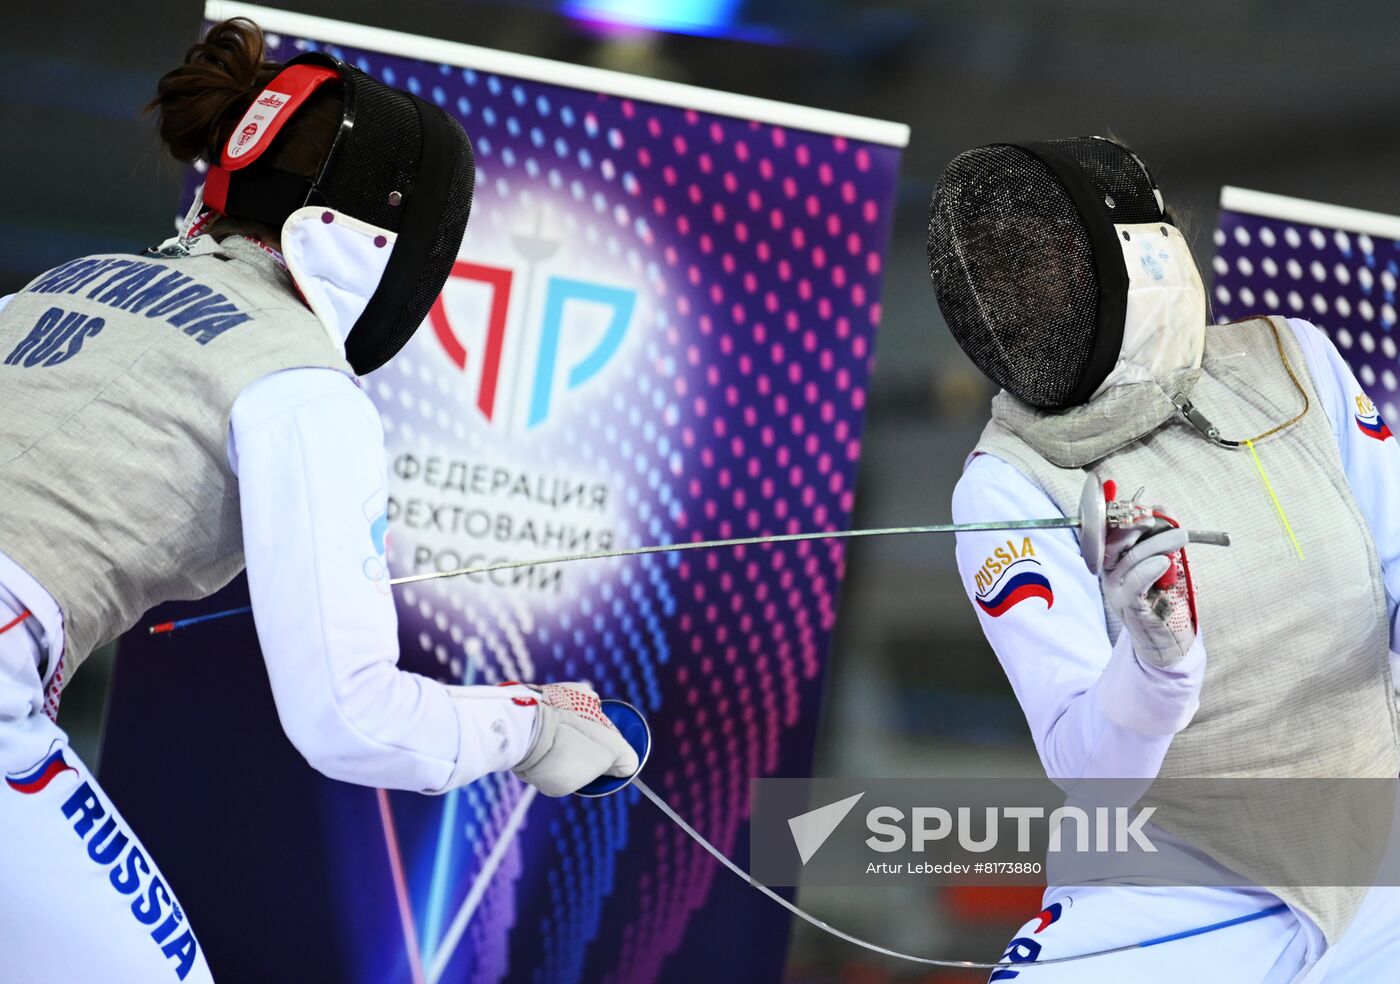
(308,448)
(1093,709)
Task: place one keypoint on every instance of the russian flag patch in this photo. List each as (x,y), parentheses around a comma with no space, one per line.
(1369,420)
(1009,576)
(38,776)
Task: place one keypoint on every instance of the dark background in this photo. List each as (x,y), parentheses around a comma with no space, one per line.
(1283,96)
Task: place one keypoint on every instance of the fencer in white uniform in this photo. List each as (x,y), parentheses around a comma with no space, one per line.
(174,416)
(1065,280)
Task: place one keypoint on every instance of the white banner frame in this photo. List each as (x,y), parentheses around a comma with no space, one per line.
(552,72)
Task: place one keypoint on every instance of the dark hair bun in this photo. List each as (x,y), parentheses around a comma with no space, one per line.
(200,102)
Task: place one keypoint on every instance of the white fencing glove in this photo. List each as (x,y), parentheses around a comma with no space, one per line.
(1147,581)
(574,742)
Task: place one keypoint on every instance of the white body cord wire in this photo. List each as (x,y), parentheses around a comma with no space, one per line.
(825,927)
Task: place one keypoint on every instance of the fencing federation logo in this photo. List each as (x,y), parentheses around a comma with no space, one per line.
(525,336)
(375,565)
(812,829)
(1009,576)
(1369,420)
(37,777)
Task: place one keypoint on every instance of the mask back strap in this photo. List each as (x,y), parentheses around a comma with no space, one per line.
(234,186)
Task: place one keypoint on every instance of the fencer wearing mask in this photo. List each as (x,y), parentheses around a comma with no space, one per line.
(172,417)
(1067,282)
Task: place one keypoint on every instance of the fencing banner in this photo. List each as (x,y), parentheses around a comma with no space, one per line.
(1335,267)
(659,329)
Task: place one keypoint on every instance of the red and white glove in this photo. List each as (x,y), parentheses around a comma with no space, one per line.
(574,742)
(1146,580)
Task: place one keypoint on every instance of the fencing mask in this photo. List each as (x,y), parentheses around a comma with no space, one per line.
(1059,272)
(372,238)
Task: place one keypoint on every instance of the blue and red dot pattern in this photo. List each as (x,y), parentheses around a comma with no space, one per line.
(734,408)
(1343,282)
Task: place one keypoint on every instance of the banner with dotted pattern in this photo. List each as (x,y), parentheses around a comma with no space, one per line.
(1335,267)
(660,328)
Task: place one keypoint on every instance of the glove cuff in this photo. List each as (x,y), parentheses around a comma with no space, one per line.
(494,731)
(541,738)
(1150,700)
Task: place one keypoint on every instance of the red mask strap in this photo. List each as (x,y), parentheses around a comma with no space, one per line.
(260,125)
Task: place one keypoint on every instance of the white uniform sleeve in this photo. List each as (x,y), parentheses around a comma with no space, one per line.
(1094,710)
(308,448)
(1370,456)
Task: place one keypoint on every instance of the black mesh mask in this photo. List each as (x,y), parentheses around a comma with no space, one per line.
(1024,258)
(397,163)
